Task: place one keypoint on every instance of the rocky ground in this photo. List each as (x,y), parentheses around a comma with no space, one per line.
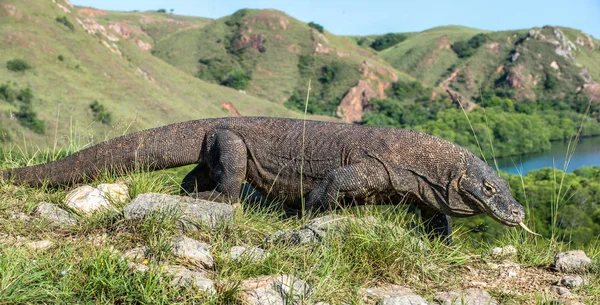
(494,278)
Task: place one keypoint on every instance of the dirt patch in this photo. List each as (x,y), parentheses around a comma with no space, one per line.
(231,108)
(352,105)
(92,12)
(256,42)
(292,48)
(592,90)
(442,43)
(64,8)
(492,46)
(12,11)
(143,45)
(500,69)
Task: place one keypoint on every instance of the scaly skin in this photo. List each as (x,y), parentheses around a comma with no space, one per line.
(340,161)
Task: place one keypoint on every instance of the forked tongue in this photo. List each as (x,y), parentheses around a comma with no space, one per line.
(527,229)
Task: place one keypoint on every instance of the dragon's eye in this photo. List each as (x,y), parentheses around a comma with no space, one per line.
(489,188)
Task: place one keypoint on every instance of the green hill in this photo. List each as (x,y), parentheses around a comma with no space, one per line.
(537,64)
(272,55)
(74,61)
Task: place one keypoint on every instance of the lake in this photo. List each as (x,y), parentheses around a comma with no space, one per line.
(587,152)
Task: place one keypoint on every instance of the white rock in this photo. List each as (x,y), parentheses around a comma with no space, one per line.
(275,290)
(504,251)
(86,199)
(394,295)
(136,254)
(184,277)
(253,254)
(193,250)
(138,267)
(572,281)
(39,245)
(560,290)
(571,261)
(470,296)
(114,192)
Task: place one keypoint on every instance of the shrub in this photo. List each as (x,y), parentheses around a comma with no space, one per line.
(161,10)
(7,93)
(465,49)
(316,26)
(61,58)
(64,21)
(100,113)
(305,63)
(237,79)
(28,118)
(462,49)
(387,40)
(17,65)
(550,82)
(329,72)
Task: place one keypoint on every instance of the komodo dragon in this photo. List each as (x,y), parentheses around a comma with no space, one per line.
(336,161)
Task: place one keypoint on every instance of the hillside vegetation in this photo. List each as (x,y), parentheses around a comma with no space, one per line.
(73,62)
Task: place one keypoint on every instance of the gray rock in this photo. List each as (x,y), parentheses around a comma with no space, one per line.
(275,290)
(253,254)
(572,281)
(136,254)
(183,277)
(560,290)
(54,214)
(317,229)
(291,237)
(196,251)
(471,296)
(394,295)
(572,261)
(335,224)
(194,212)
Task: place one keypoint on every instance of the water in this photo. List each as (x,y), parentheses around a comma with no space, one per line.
(587,152)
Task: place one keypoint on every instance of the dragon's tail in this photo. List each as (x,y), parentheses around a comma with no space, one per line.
(154,149)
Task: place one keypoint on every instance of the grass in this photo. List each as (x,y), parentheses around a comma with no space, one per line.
(84,265)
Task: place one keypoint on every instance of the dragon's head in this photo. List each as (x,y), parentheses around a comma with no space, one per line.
(482,188)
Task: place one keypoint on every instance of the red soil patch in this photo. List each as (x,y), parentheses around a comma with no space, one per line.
(92,12)
(229,107)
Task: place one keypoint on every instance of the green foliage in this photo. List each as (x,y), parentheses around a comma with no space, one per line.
(100,113)
(316,26)
(161,10)
(64,21)
(7,93)
(387,40)
(330,72)
(305,64)
(17,65)
(28,118)
(550,82)
(24,99)
(61,58)
(315,105)
(237,79)
(409,105)
(466,49)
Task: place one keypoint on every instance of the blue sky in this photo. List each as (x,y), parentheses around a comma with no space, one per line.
(380,16)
